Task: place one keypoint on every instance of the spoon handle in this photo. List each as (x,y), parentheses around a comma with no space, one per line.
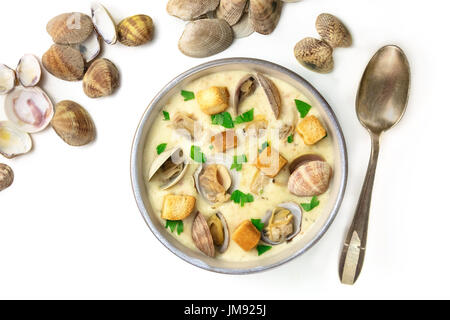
(352,256)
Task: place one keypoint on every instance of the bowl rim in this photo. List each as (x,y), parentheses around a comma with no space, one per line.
(134,170)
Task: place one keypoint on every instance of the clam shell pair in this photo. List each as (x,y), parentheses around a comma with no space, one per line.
(28,73)
(172,166)
(202,234)
(310,176)
(297,215)
(6,176)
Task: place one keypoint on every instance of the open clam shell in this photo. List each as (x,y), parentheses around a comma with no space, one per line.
(246,87)
(216,185)
(104,23)
(29,70)
(13,142)
(7,79)
(172,166)
(296,222)
(90,48)
(211,235)
(29,109)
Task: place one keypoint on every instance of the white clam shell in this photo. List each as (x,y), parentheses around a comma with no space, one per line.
(13,142)
(298,216)
(29,109)
(29,71)
(90,48)
(7,79)
(176,156)
(104,23)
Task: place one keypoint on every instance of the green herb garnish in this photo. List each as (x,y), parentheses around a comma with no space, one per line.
(238,161)
(264,146)
(161,148)
(166,116)
(262,249)
(302,107)
(309,206)
(223,119)
(187,95)
(290,139)
(211,147)
(178,225)
(197,155)
(258,224)
(245,117)
(241,198)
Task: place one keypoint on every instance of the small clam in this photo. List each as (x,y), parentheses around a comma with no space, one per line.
(90,48)
(64,62)
(104,23)
(191,9)
(185,125)
(214,181)
(231,10)
(70,28)
(220,232)
(333,31)
(13,142)
(282,223)
(201,235)
(101,79)
(243,28)
(272,93)
(6,176)
(29,70)
(29,109)
(204,38)
(171,165)
(315,55)
(246,87)
(136,30)
(73,123)
(310,179)
(264,15)
(7,79)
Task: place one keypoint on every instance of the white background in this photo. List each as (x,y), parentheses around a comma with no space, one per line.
(69,226)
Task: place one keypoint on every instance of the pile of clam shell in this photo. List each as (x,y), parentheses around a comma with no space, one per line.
(214,24)
(77,45)
(317,55)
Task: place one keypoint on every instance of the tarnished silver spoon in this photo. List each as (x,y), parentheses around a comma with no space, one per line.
(380,104)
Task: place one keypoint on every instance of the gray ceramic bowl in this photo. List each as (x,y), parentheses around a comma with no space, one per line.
(337,186)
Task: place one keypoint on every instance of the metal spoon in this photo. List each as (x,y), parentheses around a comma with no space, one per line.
(380,104)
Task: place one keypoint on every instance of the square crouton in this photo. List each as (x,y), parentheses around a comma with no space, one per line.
(247,236)
(224,141)
(213,100)
(270,162)
(177,207)
(311,130)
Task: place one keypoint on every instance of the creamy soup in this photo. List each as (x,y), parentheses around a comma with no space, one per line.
(271,195)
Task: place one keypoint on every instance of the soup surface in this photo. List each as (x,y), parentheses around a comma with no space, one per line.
(163,136)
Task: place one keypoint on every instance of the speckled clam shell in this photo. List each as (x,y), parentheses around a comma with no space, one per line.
(13,141)
(190,9)
(231,10)
(310,179)
(201,235)
(73,123)
(101,79)
(70,28)
(7,79)
(64,62)
(264,15)
(29,70)
(6,176)
(204,38)
(333,31)
(315,55)
(136,30)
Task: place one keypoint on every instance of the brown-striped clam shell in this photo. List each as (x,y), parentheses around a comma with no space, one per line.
(333,31)
(315,55)
(264,15)
(6,176)
(201,235)
(190,9)
(64,62)
(231,10)
(136,30)
(310,179)
(70,28)
(204,38)
(73,123)
(101,79)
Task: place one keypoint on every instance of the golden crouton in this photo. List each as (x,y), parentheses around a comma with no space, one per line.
(247,236)
(224,141)
(270,162)
(311,130)
(213,100)
(177,207)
